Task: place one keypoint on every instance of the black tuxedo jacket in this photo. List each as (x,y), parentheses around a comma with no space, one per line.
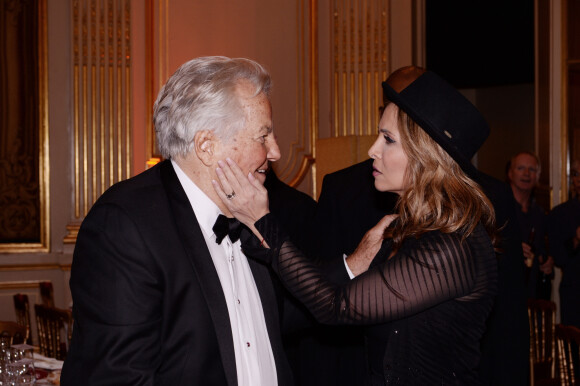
(348,206)
(505,343)
(148,305)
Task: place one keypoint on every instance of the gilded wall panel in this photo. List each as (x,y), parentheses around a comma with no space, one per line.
(101,101)
(360,64)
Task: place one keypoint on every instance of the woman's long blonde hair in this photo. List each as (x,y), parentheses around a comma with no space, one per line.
(440,195)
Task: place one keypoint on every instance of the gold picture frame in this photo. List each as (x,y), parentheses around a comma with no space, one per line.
(33,15)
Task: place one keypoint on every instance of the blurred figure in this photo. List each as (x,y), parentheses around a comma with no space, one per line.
(295,211)
(293,208)
(348,206)
(564,236)
(523,176)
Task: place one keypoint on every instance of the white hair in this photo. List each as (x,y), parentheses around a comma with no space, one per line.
(201,95)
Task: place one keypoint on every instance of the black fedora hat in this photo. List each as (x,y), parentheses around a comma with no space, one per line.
(445,114)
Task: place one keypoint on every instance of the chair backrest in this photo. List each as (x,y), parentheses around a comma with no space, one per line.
(54,330)
(46,293)
(16,333)
(22,310)
(542,319)
(337,153)
(568,341)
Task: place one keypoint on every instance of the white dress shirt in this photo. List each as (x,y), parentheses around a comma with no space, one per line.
(255,363)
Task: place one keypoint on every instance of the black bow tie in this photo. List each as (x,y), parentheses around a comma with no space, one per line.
(226,226)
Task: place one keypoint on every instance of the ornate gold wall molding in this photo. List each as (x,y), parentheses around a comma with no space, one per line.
(32,267)
(156,66)
(24,173)
(360,63)
(301,150)
(102,144)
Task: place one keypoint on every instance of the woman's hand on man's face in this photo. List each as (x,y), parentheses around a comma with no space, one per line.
(244,196)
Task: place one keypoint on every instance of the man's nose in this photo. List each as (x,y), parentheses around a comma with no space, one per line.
(273,151)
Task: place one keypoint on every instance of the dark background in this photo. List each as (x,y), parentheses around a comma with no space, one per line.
(474,43)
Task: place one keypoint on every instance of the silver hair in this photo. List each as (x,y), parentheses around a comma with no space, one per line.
(201,95)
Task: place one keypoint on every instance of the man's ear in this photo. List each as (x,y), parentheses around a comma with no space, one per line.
(204,144)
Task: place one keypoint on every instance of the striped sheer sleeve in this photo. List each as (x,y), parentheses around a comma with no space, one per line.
(425,272)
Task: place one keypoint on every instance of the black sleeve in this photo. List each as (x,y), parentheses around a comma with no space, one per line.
(561,232)
(117,334)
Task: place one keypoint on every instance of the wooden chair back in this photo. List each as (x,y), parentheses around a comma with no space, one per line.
(22,310)
(54,330)
(542,319)
(46,293)
(14,332)
(568,342)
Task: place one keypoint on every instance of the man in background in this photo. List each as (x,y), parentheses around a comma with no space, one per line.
(523,176)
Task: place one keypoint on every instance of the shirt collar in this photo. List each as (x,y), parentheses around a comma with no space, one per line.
(206,211)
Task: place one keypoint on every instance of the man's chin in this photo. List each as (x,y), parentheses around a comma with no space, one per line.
(260,177)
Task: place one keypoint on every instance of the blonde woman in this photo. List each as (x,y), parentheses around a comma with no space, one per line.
(426,296)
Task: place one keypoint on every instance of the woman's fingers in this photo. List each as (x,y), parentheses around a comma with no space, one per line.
(244,196)
(235,171)
(225,187)
(387,220)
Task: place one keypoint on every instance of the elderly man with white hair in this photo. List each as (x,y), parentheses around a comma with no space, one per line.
(163,293)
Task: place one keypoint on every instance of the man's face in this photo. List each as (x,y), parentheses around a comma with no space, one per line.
(524,173)
(254,146)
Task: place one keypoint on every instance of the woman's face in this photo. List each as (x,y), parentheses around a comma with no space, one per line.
(390,161)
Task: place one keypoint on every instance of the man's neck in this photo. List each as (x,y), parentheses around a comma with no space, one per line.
(523,197)
(202,175)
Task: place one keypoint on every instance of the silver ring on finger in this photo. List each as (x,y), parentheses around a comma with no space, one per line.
(231,195)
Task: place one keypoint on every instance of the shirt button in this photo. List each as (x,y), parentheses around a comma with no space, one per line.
(238,301)
(248,343)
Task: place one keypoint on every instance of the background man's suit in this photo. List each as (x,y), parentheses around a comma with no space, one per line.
(143,234)
(505,344)
(348,206)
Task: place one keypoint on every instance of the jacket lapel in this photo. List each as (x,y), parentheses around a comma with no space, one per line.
(196,250)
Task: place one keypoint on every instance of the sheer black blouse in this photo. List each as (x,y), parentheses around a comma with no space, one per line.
(425,307)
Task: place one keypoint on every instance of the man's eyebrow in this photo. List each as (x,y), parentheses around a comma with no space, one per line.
(269,129)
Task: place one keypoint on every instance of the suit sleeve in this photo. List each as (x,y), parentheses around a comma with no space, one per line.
(325,230)
(561,232)
(117,304)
